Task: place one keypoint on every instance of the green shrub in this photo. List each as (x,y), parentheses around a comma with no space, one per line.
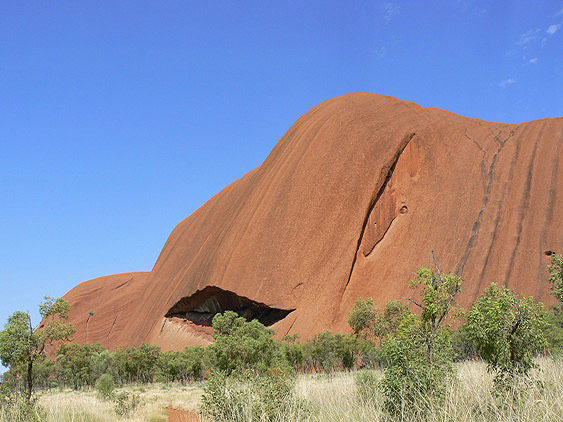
(554,330)
(331,351)
(182,366)
(388,321)
(507,331)
(462,346)
(362,318)
(265,397)
(368,324)
(135,364)
(242,346)
(294,353)
(370,357)
(556,276)
(75,364)
(250,375)
(105,387)
(419,353)
(414,381)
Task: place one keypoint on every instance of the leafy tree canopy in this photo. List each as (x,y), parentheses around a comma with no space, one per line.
(507,331)
(22,344)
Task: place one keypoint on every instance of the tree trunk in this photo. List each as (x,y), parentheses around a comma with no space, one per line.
(29,379)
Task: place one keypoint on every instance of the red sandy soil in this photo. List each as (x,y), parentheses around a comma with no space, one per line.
(179,415)
(349,204)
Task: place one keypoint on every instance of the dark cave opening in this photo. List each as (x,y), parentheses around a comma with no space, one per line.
(203,305)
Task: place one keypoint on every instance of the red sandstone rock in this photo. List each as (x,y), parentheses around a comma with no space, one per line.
(349,204)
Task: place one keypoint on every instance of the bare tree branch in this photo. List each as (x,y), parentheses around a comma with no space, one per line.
(413,301)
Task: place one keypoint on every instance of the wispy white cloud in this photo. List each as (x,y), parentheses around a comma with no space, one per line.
(534,60)
(552,29)
(391,9)
(528,36)
(506,82)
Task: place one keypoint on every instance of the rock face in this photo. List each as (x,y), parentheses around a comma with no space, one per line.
(349,204)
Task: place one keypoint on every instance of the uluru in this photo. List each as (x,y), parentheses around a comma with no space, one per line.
(358,194)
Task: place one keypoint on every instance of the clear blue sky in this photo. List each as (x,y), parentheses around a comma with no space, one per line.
(119,119)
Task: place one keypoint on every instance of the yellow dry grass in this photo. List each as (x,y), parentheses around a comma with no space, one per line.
(84,406)
(470,399)
(335,399)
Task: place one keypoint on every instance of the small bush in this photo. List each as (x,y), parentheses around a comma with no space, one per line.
(508,332)
(463,348)
(412,382)
(241,345)
(105,387)
(362,318)
(554,330)
(556,276)
(332,351)
(293,352)
(370,357)
(126,403)
(14,407)
(418,352)
(267,397)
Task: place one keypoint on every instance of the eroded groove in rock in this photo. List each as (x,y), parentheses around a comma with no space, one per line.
(549,212)
(477,223)
(374,201)
(203,305)
(524,205)
(501,210)
(112,325)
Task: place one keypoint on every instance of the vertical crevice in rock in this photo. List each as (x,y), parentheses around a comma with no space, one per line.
(112,325)
(388,171)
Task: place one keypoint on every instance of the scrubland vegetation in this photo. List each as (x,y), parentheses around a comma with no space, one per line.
(502,363)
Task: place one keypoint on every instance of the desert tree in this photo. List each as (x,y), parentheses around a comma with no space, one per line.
(507,331)
(418,352)
(362,318)
(22,344)
(368,323)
